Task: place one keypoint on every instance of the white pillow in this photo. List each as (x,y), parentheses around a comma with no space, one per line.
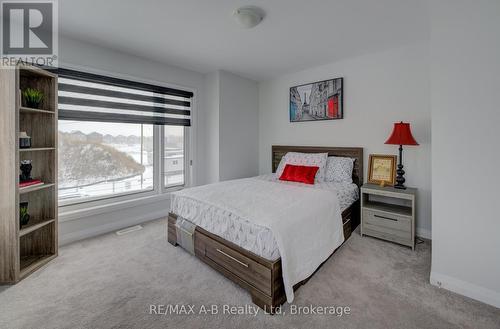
(304,159)
(339,169)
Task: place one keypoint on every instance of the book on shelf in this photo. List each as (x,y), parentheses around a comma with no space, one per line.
(30,183)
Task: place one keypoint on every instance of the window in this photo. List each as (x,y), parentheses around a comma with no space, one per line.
(118,137)
(103,159)
(174,156)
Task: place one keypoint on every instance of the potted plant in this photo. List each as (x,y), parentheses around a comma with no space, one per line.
(24,217)
(32,97)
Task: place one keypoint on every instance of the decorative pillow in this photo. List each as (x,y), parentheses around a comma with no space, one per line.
(339,169)
(304,159)
(301,174)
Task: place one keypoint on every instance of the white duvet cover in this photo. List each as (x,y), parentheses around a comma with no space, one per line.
(306,222)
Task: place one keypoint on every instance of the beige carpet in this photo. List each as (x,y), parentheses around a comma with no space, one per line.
(111,281)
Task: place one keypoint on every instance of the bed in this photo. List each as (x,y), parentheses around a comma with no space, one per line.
(248,254)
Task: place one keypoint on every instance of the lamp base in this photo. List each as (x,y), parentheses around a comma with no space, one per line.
(400,180)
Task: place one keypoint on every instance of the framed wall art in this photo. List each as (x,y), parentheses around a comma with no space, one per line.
(322,100)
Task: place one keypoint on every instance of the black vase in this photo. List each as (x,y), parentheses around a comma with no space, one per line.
(25,170)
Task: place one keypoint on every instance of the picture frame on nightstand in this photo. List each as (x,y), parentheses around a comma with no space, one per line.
(382,169)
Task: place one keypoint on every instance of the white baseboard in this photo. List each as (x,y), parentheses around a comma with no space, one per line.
(109,227)
(424,233)
(466,289)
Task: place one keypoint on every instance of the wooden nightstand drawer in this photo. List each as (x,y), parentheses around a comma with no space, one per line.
(377,232)
(387,221)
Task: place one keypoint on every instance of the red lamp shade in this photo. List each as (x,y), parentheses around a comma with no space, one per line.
(401,135)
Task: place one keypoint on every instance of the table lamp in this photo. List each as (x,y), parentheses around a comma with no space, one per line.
(401,135)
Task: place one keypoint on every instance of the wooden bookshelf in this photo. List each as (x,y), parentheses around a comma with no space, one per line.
(24,249)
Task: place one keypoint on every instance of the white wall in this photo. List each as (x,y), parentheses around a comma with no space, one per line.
(231,123)
(239,127)
(379,89)
(465,81)
(210,120)
(87,56)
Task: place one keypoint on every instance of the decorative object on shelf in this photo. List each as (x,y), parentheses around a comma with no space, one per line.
(401,135)
(32,97)
(24,140)
(31,182)
(322,100)
(26,168)
(24,217)
(382,169)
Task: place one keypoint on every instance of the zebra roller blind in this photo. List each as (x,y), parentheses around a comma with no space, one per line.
(91,97)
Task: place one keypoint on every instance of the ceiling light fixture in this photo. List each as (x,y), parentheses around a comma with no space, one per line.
(248,17)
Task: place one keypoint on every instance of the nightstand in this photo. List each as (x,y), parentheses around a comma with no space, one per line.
(388,213)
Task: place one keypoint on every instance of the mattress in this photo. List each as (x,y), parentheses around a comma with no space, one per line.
(252,237)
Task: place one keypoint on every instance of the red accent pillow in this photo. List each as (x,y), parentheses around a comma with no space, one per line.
(301,174)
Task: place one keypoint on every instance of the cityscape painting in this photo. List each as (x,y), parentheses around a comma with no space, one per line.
(321,100)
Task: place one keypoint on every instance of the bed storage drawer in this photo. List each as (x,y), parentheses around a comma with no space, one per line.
(247,269)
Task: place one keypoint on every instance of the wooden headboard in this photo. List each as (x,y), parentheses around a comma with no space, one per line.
(279,151)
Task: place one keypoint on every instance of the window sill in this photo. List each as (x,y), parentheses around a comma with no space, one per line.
(75,214)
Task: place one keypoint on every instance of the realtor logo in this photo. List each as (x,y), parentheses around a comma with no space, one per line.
(29,32)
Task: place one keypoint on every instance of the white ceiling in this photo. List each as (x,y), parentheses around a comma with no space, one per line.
(201,35)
